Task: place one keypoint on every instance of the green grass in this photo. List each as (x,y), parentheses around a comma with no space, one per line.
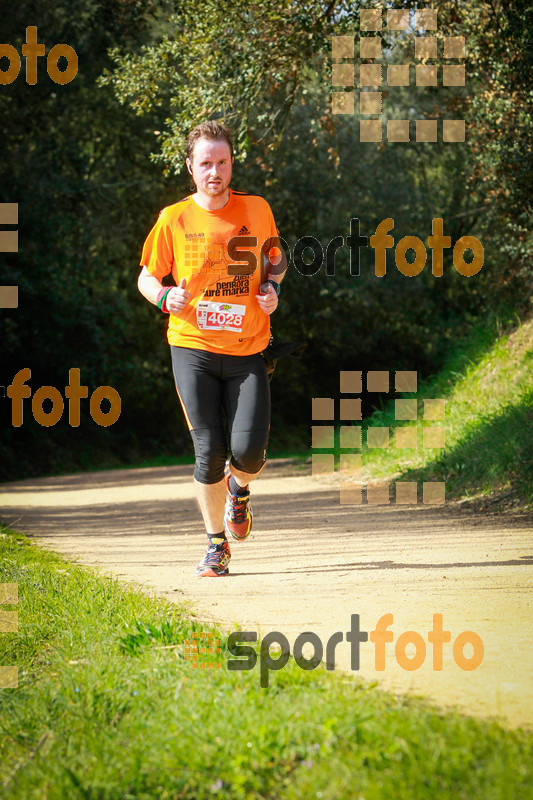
(107,708)
(488,387)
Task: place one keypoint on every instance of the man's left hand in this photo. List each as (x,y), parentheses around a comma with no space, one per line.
(269,301)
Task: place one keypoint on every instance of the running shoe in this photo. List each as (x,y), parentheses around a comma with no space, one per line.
(238,514)
(215,562)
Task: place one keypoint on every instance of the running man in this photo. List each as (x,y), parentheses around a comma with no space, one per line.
(219,324)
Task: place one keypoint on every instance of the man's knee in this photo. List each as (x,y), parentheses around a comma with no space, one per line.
(209,469)
(248,451)
(210,457)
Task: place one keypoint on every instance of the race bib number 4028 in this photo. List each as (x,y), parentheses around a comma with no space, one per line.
(220,316)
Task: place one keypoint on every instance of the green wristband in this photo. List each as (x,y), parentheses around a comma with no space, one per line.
(161,298)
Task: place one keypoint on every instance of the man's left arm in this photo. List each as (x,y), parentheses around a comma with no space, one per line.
(273,269)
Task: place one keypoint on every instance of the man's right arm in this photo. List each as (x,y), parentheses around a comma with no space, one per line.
(150,286)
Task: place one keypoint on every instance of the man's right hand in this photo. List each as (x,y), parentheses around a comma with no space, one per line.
(178,298)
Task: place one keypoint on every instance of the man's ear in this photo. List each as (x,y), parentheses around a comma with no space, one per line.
(188,163)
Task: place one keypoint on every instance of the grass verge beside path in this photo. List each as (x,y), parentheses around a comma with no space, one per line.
(488,388)
(107,708)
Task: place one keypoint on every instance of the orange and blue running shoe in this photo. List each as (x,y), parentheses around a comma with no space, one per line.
(215,562)
(238,514)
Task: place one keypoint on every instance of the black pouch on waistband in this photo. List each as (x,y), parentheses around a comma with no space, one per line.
(276,350)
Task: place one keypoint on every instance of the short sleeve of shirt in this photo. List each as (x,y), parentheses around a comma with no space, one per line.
(158,252)
(273,229)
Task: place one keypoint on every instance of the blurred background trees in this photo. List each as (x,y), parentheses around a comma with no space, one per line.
(91,164)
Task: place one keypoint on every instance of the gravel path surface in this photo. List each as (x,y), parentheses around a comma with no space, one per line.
(309,565)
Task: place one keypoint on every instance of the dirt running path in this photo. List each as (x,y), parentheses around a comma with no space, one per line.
(309,565)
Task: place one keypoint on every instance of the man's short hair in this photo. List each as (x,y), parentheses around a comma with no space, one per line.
(212,130)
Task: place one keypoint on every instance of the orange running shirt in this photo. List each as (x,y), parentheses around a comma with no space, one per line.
(189,242)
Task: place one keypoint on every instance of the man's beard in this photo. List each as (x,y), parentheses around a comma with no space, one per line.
(214,191)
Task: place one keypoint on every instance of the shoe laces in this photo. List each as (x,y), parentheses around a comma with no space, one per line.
(239,508)
(213,553)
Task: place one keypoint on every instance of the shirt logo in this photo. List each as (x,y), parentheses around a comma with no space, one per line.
(244,231)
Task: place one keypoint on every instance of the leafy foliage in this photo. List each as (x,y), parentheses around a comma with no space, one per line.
(92,163)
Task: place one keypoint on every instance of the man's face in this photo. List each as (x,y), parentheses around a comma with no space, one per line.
(211,166)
